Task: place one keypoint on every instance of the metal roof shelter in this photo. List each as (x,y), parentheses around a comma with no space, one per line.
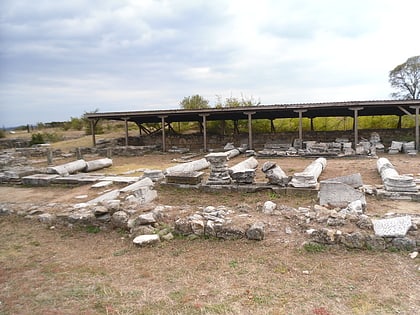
(271,112)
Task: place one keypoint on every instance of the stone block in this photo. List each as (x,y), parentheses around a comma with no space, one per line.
(39,179)
(187,178)
(144,240)
(338,194)
(393,227)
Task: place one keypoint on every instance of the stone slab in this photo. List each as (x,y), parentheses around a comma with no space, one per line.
(338,194)
(393,227)
(188,178)
(102,183)
(121,179)
(39,179)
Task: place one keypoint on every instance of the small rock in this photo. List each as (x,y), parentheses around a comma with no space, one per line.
(305,272)
(256,231)
(100,210)
(168,237)
(145,219)
(288,230)
(269,207)
(46,218)
(413,255)
(120,219)
(144,240)
(81,197)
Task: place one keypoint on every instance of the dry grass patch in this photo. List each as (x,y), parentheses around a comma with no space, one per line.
(67,271)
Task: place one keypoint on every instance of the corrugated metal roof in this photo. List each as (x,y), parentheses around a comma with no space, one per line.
(327,109)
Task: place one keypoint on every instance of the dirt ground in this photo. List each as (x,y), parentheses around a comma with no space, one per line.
(79,271)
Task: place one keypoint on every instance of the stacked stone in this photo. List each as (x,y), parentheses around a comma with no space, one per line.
(309,177)
(244,172)
(392,180)
(219,171)
(275,175)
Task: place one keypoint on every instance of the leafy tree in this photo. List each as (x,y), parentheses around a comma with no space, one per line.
(406,79)
(235,102)
(194,102)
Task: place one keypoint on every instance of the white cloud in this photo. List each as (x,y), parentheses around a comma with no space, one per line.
(120,55)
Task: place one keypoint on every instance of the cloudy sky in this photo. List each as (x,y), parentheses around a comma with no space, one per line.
(59,59)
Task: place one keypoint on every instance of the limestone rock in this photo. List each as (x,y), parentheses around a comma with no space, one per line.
(145,219)
(269,207)
(144,240)
(256,231)
(47,218)
(120,219)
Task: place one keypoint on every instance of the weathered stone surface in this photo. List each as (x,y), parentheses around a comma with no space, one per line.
(227,232)
(393,227)
(232,153)
(145,182)
(186,178)
(102,183)
(183,226)
(275,175)
(68,168)
(111,195)
(392,180)
(197,227)
(47,218)
(140,191)
(144,240)
(120,219)
(38,179)
(375,242)
(256,231)
(121,179)
(354,240)
(309,177)
(142,230)
(192,166)
(100,210)
(219,172)
(269,207)
(145,219)
(403,243)
(97,164)
(112,205)
(353,180)
(81,216)
(154,175)
(338,194)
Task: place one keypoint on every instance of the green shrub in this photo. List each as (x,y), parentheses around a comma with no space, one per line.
(37,138)
(2,134)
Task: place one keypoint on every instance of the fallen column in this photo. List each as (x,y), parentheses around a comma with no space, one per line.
(68,168)
(97,164)
(392,180)
(189,167)
(309,177)
(275,175)
(232,153)
(219,172)
(244,172)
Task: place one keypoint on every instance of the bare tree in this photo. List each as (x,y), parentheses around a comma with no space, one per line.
(406,79)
